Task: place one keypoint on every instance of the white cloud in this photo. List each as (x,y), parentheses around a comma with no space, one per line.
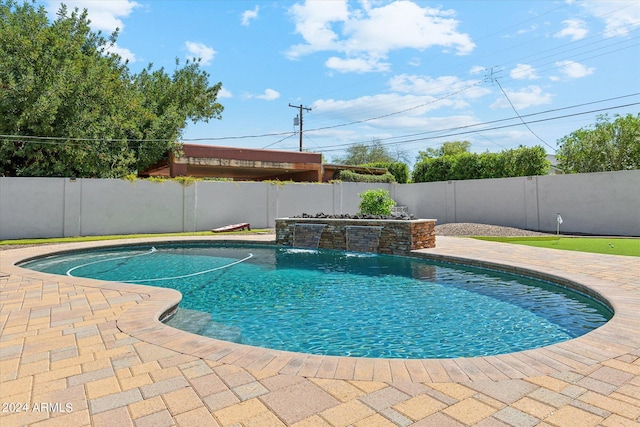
(574,28)
(523,72)
(200,50)
(105,15)
(449,122)
(249,15)
(410,105)
(574,70)
(366,35)
(529,29)
(357,65)
(522,31)
(374,106)
(444,86)
(382,106)
(345,135)
(404,24)
(224,93)
(528,97)
(313,21)
(124,53)
(267,95)
(426,123)
(477,69)
(620,17)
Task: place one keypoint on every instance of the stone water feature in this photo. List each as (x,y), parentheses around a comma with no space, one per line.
(395,236)
(362,238)
(307,235)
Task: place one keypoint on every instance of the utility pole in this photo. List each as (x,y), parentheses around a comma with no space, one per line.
(301,108)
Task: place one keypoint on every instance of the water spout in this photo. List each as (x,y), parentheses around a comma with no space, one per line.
(307,235)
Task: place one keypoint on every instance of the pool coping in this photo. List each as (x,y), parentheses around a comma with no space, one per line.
(618,337)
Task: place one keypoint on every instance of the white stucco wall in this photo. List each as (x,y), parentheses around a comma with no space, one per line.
(595,203)
(32,207)
(217,204)
(605,203)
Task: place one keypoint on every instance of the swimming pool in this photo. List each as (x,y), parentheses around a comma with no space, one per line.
(336,303)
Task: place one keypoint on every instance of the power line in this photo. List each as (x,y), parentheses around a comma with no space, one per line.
(465,132)
(579,56)
(222,138)
(544,55)
(568,47)
(503,120)
(279,141)
(520,117)
(433,101)
(546,49)
(576,50)
(62,140)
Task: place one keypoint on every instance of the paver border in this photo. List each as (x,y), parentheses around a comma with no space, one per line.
(619,336)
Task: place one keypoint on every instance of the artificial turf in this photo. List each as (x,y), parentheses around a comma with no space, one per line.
(599,245)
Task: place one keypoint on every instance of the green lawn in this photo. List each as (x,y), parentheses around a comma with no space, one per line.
(120,236)
(599,245)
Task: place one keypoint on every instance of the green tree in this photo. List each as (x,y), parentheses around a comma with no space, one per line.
(530,161)
(350,176)
(434,169)
(399,170)
(522,161)
(451,148)
(467,166)
(69,107)
(360,154)
(605,146)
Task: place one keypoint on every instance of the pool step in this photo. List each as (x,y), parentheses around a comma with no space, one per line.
(223,332)
(199,322)
(193,321)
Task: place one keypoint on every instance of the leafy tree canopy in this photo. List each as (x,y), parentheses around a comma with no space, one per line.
(70,107)
(523,161)
(351,176)
(360,154)
(605,146)
(399,170)
(376,155)
(451,148)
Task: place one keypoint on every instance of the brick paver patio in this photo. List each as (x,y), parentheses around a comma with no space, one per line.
(79,352)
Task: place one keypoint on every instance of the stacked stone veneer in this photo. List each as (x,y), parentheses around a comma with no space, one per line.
(397,237)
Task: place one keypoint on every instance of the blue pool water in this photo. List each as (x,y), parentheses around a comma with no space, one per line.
(336,303)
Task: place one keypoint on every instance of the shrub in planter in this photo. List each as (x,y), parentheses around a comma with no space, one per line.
(376,202)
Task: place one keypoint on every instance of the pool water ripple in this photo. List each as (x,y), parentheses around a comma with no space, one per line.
(333,303)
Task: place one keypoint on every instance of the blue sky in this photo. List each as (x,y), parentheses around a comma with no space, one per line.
(412,74)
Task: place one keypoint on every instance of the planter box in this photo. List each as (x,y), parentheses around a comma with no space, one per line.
(393,237)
